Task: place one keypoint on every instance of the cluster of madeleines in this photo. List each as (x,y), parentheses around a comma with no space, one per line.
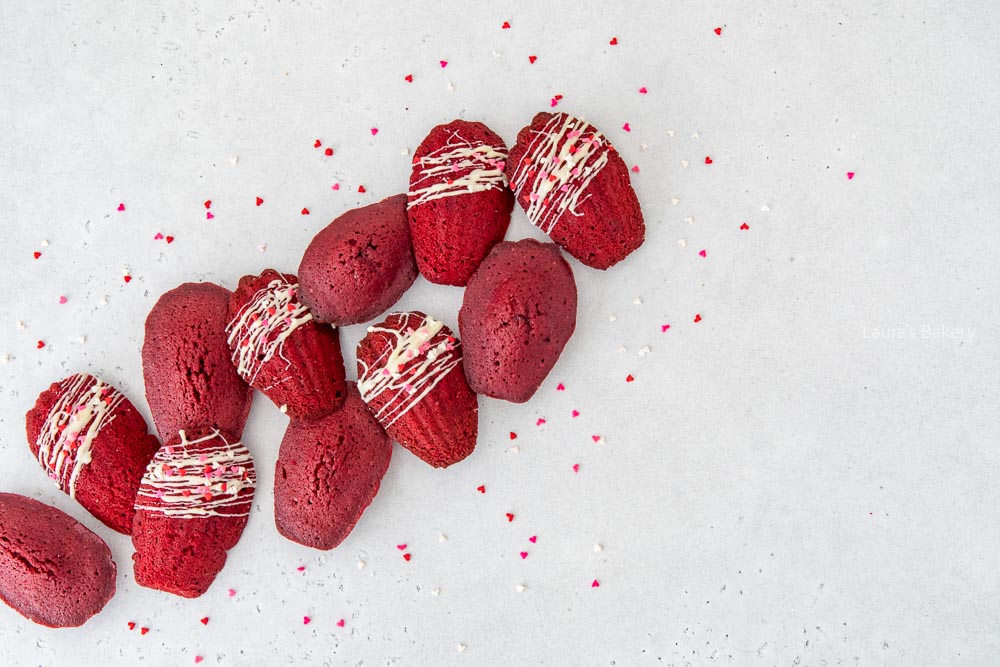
(185,502)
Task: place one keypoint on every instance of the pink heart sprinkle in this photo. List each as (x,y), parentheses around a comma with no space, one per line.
(209,216)
(335,186)
(232,592)
(850,175)
(664,327)
(533,539)
(595,438)
(626,127)
(62,299)
(576,413)
(539,422)
(198,659)
(400,546)
(306,620)
(576,467)
(635,169)
(643,90)
(561,387)
(121,207)
(374,131)
(444,63)
(340,623)
(524,554)
(301,568)
(158,236)
(595,584)
(703,253)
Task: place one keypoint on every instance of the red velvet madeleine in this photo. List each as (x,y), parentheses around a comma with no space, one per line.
(517,314)
(190,379)
(53,570)
(458,203)
(410,374)
(281,350)
(93,443)
(328,472)
(359,264)
(574,187)
(191,508)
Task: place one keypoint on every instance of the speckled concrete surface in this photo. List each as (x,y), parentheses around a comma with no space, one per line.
(807,475)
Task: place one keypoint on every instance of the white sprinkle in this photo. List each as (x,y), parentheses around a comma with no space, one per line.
(643,147)
(598,548)
(695,135)
(436,592)
(519,588)
(689,220)
(234,159)
(670,133)
(81,340)
(621,348)
(600,440)
(451,86)
(497,54)
(461,648)
(5,359)
(284,409)
(644,350)
(637,301)
(442,538)
(611,318)
(405,151)
(765,208)
(515,449)
(262,247)
(45,243)
(103,301)
(675,201)
(20,324)
(682,243)
(361,565)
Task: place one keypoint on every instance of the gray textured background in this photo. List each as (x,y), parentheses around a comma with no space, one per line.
(794,478)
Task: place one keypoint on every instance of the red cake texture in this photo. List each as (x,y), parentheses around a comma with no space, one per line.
(410,374)
(93,443)
(359,264)
(458,203)
(190,378)
(191,508)
(53,571)
(574,187)
(281,350)
(328,472)
(517,314)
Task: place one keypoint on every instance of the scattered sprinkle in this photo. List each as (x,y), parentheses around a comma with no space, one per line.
(708,160)
(481,489)
(689,219)
(674,201)
(401,547)
(143,631)
(305,211)
(198,659)
(436,592)
(407,557)
(670,133)
(20,325)
(361,189)
(444,63)
(63,299)
(40,344)
(306,620)
(513,436)
(442,538)
(685,163)
(539,422)
(340,623)
(629,378)
(643,351)
(533,539)
(208,203)
(599,439)
(232,592)
(682,242)
(520,588)
(595,584)
(635,169)
(328,152)
(301,568)
(765,208)
(697,317)
(81,340)
(643,90)
(510,517)
(561,387)
(505,26)
(5,359)
(703,253)
(614,41)
(576,413)
(643,147)
(621,348)
(127,278)
(121,207)
(317,144)
(460,648)
(209,216)
(744,226)
(409,78)
(170,239)
(718,31)
(664,328)
(131,625)
(262,247)
(335,186)
(532,59)
(361,565)
(612,317)
(626,127)
(598,548)
(576,467)
(204,621)
(515,449)
(637,301)
(374,131)
(37,254)
(45,243)
(695,135)
(850,175)
(524,554)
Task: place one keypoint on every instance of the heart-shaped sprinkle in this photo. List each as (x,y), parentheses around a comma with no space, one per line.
(850,175)
(305,211)
(510,517)
(629,378)
(170,239)
(532,59)
(718,31)
(198,659)
(208,203)
(643,90)
(595,584)
(158,236)
(300,568)
(409,78)
(37,254)
(259,201)
(340,623)
(576,413)
(204,621)
(131,625)
(505,26)
(595,438)
(143,630)
(576,467)
(539,422)
(407,557)
(744,226)
(401,547)
(209,216)
(374,131)
(121,207)
(127,279)
(626,127)
(524,554)
(614,41)
(306,620)
(697,317)
(444,63)
(335,186)
(533,539)
(481,489)
(703,253)
(708,160)
(664,327)
(635,169)
(328,152)
(317,144)
(62,299)
(232,592)
(513,436)
(561,387)
(361,189)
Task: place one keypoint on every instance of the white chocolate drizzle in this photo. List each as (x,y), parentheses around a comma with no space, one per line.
(458,167)
(558,165)
(409,369)
(85,406)
(199,478)
(261,327)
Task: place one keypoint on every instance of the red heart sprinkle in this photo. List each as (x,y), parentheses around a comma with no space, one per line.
(204,621)
(121,207)
(481,489)
(306,620)
(143,630)
(708,160)
(340,623)
(37,254)
(643,90)
(127,279)
(328,152)
(317,144)
(532,59)
(595,584)
(697,317)
(626,127)
(510,517)
(407,557)
(533,539)
(524,554)
(629,378)
(718,31)
(850,175)
(744,226)
(409,78)
(505,26)
(513,436)
(576,413)
(305,211)
(361,189)
(374,131)
(209,216)
(259,201)
(131,625)
(444,63)
(664,327)
(208,203)
(595,438)
(170,239)
(614,41)
(703,253)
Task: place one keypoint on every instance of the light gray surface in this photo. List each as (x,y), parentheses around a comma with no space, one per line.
(777,485)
